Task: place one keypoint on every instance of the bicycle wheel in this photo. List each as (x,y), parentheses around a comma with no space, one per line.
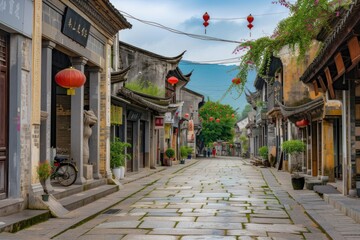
(66,174)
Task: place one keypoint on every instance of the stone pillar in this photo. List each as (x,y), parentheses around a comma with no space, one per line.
(46,81)
(77,119)
(327,166)
(94,102)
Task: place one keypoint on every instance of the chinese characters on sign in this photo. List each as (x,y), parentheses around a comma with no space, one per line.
(191,136)
(75,27)
(12,13)
(159,122)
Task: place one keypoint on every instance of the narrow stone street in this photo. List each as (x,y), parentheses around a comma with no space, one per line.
(211,199)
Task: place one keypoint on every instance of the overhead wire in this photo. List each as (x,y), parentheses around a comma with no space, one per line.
(196,36)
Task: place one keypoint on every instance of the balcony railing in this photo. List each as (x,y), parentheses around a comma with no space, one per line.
(261,114)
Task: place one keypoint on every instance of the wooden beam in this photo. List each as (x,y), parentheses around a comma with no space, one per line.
(339,62)
(354,49)
(322,84)
(330,82)
(316,87)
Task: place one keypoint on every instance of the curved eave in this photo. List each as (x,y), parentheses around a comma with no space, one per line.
(120,76)
(342,30)
(287,111)
(172,60)
(179,75)
(141,101)
(104,14)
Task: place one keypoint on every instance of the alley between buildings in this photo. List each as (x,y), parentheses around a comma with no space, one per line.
(221,198)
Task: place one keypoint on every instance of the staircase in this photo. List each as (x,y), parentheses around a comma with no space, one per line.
(14,218)
(76,196)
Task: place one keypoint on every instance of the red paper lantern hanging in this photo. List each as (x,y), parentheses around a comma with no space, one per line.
(232,115)
(211,119)
(302,123)
(250,19)
(217,120)
(206,18)
(70,78)
(172,80)
(236,81)
(186,115)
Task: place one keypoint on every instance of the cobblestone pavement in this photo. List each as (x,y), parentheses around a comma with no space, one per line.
(213,199)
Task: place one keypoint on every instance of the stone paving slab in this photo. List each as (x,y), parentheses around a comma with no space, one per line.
(209,225)
(184,231)
(149,237)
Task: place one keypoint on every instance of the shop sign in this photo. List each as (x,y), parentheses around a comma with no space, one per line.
(75,27)
(168,117)
(191,135)
(133,116)
(167,131)
(116,115)
(159,122)
(12,13)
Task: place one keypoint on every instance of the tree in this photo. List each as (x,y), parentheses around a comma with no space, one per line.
(217,122)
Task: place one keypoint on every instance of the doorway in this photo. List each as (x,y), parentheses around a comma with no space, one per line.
(4,114)
(130,139)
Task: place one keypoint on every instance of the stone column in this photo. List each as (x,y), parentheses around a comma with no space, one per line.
(327,166)
(77,121)
(94,102)
(46,81)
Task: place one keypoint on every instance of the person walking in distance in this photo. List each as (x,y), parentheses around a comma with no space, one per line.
(214,152)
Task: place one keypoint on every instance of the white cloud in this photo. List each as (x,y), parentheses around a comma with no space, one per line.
(186,15)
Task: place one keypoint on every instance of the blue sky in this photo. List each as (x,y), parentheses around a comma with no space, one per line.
(186,15)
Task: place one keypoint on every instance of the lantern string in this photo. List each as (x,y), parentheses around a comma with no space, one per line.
(196,36)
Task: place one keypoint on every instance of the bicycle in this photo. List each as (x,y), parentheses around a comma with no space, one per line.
(64,171)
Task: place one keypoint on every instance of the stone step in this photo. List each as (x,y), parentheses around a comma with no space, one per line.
(63,192)
(23,219)
(11,206)
(82,198)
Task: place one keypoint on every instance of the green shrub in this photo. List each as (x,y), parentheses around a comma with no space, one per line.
(117,153)
(294,148)
(170,153)
(183,151)
(264,152)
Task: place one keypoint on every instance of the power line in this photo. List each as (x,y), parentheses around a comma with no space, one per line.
(196,36)
(243,18)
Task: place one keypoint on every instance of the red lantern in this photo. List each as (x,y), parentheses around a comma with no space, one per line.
(217,120)
(250,19)
(236,81)
(173,80)
(211,119)
(232,115)
(70,78)
(206,18)
(302,123)
(186,115)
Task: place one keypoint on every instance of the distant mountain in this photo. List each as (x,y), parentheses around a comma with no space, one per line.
(213,80)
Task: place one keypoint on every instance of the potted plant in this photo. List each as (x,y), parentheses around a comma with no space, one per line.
(118,157)
(170,154)
(183,154)
(189,152)
(44,172)
(294,148)
(264,153)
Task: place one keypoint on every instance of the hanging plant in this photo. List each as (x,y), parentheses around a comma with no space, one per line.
(307,18)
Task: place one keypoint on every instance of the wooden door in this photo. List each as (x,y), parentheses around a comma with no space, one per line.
(4,115)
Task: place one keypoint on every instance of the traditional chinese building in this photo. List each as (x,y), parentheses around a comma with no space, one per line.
(335,74)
